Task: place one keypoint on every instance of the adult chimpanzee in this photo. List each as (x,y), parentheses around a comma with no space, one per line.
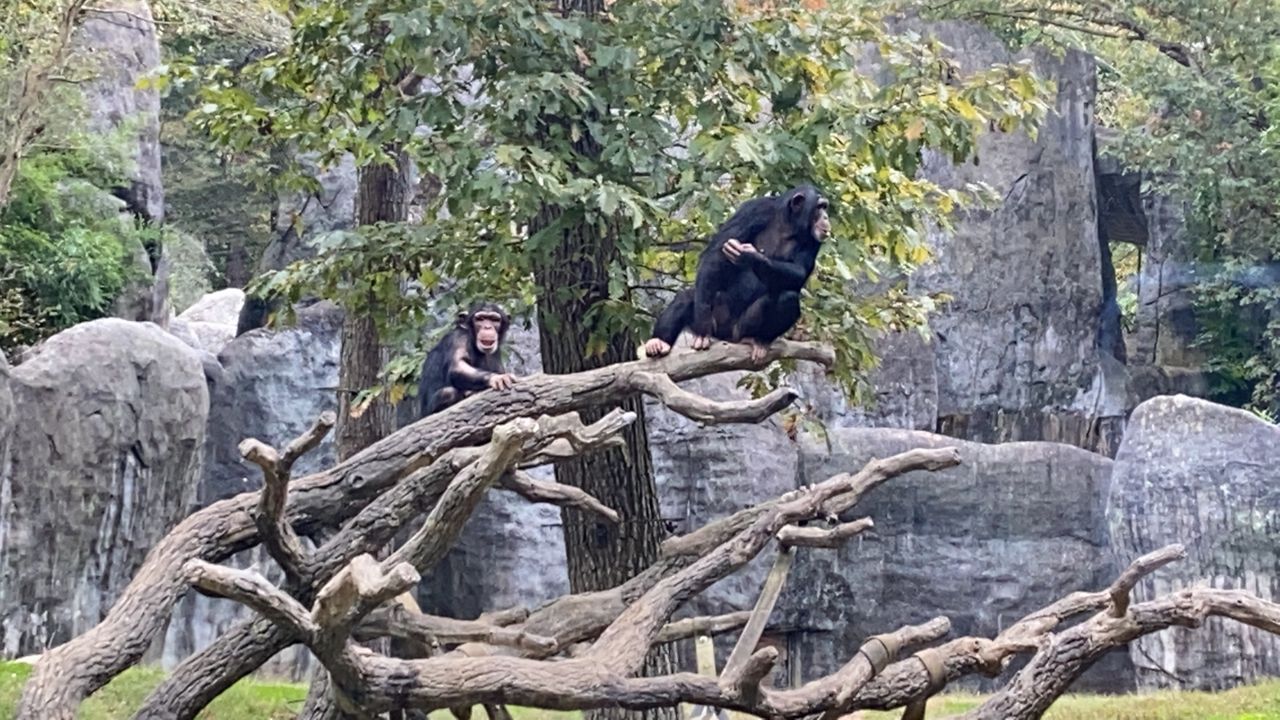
(466,361)
(747,288)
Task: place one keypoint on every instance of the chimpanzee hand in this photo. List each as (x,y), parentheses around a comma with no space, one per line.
(733,249)
(501,381)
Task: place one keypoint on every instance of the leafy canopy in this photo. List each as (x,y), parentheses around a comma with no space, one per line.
(696,107)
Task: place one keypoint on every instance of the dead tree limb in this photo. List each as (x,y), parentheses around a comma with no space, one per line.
(66,675)
(875,472)
(816,537)
(709,625)
(277,534)
(601,676)
(553,493)
(249,644)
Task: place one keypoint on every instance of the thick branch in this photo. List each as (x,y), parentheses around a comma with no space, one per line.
(397,621)
(356,591)
(253,590)
(445,521)
(1143,566)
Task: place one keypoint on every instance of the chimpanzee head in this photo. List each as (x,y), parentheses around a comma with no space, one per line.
(487,325)
(806,211)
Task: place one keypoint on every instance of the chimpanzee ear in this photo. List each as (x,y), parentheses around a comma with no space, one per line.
(462,318)
(797,201)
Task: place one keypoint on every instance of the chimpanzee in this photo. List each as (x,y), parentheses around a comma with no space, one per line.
(466,361)
(747,288)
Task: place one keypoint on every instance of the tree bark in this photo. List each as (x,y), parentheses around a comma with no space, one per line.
(600,555)
(383,196)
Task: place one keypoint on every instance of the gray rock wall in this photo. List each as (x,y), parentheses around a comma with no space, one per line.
(1025,276)
(103,459)
(118,41)
(1208,477)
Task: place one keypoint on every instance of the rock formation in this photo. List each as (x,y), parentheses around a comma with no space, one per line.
(103,461)
(1204,475)
(118,39)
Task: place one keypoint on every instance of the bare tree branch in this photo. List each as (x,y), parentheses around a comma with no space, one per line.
(709,625)
(277,534)
(711,412)
(816,537)
(556,494)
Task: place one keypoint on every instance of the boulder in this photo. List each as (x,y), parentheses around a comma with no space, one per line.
(219,308)
(1203,475)
(272,386)
(104,461)
(210,323)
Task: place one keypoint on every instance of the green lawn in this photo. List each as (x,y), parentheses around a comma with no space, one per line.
(254,700)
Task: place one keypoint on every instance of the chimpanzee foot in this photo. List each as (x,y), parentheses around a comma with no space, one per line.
(701,342)
(656,348)
(758,351)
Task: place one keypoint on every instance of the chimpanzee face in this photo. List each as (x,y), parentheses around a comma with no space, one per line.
(821,223)
(808,210)
(486,328)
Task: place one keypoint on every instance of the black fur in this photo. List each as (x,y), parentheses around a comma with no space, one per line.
(757,298)
(254,313)
(455,367)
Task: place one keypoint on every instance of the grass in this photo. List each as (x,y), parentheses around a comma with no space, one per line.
(258,700)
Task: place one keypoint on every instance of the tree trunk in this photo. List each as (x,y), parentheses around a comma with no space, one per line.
(383,195)
(600,555)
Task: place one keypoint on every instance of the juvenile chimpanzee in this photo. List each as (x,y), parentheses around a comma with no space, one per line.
(466,361)
(747,288)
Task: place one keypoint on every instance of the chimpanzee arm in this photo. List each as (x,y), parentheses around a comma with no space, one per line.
(463,373)
(782,274)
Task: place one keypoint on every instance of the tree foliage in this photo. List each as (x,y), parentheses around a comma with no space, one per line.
(1193,89)
(63,247)
(697,107)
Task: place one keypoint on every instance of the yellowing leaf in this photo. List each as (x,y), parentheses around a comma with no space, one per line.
(915,129)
